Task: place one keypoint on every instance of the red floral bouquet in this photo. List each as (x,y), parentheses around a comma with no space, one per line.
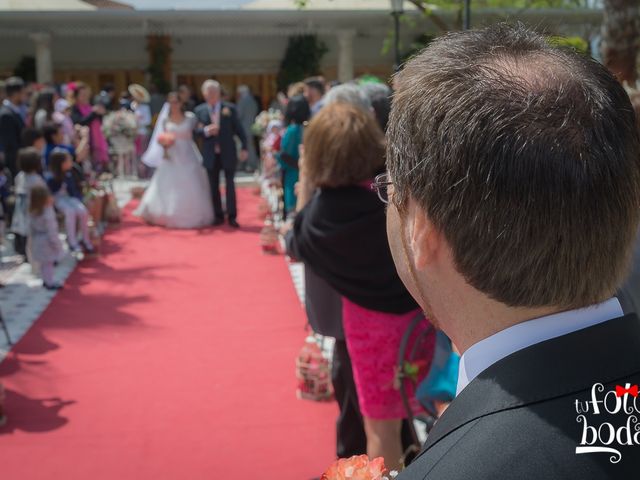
(358,468)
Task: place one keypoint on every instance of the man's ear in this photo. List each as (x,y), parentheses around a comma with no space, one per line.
(424,237)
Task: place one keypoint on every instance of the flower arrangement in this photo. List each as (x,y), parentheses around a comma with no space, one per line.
(313,373)
(121,123)
(259,127)
(166,141)
(358,468)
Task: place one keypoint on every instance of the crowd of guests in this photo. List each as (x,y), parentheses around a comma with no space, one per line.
(327,152)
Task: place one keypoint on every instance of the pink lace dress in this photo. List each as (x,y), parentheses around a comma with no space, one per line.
(373,340)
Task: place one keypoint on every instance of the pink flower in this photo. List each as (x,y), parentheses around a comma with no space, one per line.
(356,468)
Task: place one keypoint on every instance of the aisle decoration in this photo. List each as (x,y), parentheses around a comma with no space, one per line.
(358,468)
(313,373)
(121,128)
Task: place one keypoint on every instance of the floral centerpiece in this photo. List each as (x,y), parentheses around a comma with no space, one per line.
(121,123)
(120,128)
(358,468)
(261,123)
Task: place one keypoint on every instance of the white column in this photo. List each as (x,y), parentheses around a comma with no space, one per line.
(345,55)
(44,65)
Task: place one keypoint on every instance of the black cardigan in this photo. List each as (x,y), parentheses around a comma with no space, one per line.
(341,235)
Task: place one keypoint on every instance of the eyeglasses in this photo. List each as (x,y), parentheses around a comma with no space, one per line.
(381,185)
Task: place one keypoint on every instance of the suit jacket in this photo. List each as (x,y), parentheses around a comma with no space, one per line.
(519,418)
(229,127)
(11,126)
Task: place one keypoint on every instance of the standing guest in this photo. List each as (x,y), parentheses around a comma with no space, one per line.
(247,112)
(348,93)
(294,90)
(142,111)
(314,90)
(12,122)
(68,200)
(380,98)
(296,115)
(30,176)
(218,125)
(186,97)
(85,114)
(54,138)
(106,97)
(33,137)
(62,115)
(513,193)
(44,107)
(340,234)
(44,240)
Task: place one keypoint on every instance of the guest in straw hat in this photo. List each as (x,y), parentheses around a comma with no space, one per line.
(140,106)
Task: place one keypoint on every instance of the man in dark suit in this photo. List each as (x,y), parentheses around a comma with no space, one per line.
(218,125)
(11,121)
(513,192)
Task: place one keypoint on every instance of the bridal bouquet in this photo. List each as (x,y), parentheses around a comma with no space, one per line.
(166,141)
(121,123)
(358,468)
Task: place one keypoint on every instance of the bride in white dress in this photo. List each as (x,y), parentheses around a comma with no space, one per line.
(179,195)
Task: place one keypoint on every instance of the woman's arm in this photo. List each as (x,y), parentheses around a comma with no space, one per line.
(80,119)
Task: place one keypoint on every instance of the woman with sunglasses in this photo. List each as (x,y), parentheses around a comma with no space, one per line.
(341,235)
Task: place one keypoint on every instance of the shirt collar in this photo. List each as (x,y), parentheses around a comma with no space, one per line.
(14,108)
(485,353)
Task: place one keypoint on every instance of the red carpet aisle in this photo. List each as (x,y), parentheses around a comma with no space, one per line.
(170,357)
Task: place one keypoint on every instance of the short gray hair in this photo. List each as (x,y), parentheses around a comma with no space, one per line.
(210,84)
(348,93)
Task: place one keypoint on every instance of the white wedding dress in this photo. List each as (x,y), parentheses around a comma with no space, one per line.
(179,195)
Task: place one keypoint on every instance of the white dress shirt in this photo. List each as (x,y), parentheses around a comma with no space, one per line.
(485,353)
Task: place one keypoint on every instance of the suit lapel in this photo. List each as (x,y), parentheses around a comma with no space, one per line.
(603,353)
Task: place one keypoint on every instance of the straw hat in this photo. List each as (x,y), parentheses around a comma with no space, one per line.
(139,93)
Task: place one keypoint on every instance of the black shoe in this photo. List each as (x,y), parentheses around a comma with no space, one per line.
(233,223)
(53,287)
(217,222)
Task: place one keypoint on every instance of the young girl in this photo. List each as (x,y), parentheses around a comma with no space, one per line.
(30,164)
(44,243)
(68,199)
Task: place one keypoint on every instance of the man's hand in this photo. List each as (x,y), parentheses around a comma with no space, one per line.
(244,155)
(211,130)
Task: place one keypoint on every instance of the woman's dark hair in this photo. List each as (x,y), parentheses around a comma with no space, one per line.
(56,159)
(174,93)
(30,160)
(30,136)
(44,101)
(38,197)
(298,111)
(50,130)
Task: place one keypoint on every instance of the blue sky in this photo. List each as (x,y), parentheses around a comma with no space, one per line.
(186,4)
